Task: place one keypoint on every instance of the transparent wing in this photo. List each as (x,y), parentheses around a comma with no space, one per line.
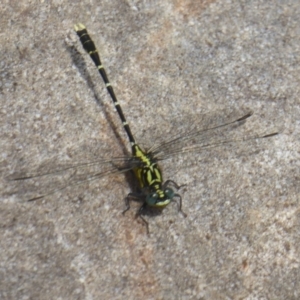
(214,130)
(194,133)
(51,177)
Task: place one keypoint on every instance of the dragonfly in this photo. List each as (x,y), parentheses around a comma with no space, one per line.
(203,133)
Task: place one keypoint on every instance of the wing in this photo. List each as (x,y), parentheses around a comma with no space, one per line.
(213,130)
(51,177)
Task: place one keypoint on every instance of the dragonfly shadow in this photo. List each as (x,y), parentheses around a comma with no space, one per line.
(81,66)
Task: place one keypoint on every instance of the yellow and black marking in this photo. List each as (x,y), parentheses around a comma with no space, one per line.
(154,193)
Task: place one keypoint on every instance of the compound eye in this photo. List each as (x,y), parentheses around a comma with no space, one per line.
(169,193)
(151,199)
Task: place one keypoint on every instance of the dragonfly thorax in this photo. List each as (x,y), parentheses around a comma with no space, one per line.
(150,179)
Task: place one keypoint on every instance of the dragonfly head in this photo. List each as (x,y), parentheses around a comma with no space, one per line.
(160,198)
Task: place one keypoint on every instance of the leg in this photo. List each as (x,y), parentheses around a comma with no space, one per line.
(179,205)
(139,214)
(130,195)
(168,182)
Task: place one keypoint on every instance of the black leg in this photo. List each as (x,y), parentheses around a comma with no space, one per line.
(179,205)
(168,182)
(139,214)
(127,200)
